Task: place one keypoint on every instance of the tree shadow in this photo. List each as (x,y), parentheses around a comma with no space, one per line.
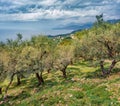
(92,75)
(21,96)
(87,64)
(81,64)
(31,83)
(26,83)
(98,73)
(14,98)
(50,83)
(115,70)
(73,68)
(74,72)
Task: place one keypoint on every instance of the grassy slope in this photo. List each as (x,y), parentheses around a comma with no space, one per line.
(82,88)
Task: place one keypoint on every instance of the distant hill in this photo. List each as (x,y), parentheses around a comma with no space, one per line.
(79,28)
(114,21)
(64,35)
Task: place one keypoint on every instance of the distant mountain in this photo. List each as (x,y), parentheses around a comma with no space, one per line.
(78,27)
(74,26)
(114,21)
(63,35)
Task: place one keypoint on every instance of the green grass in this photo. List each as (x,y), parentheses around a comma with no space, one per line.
(83,87)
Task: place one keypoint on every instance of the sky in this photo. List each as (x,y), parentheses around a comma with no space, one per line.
(51,17)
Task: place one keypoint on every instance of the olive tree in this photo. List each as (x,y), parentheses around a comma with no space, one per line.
(3,66)
(36,55)
(14,49)
(64,56)
(102,46)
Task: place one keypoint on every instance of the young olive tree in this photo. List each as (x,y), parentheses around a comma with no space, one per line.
(64,56)
(14,49)
(3,66)
(36,54)
(49,59)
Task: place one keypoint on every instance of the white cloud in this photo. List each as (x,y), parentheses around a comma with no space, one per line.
(48,2)
(48,14)
(55,9)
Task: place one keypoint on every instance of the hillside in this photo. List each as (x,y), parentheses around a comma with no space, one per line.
(59,52)
(83,87)
(78,70)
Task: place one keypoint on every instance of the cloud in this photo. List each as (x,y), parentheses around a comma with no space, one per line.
(52,16)
(47,14)
(48,2)
(66,10)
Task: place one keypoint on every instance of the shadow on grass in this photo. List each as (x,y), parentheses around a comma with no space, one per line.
(87,64)
(23,81)
(115,70)
(73,68)
(72,71)
(98,73)
(26,83)
(82,64)
(22,95)
(14,98)
(51,83)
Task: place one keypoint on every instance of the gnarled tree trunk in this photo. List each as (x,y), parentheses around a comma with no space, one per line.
(111,66)
(11,80)
(0,90)
(109,69)
(102,67)
(48,70)
(40,79)
(64,72)
(18,80)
